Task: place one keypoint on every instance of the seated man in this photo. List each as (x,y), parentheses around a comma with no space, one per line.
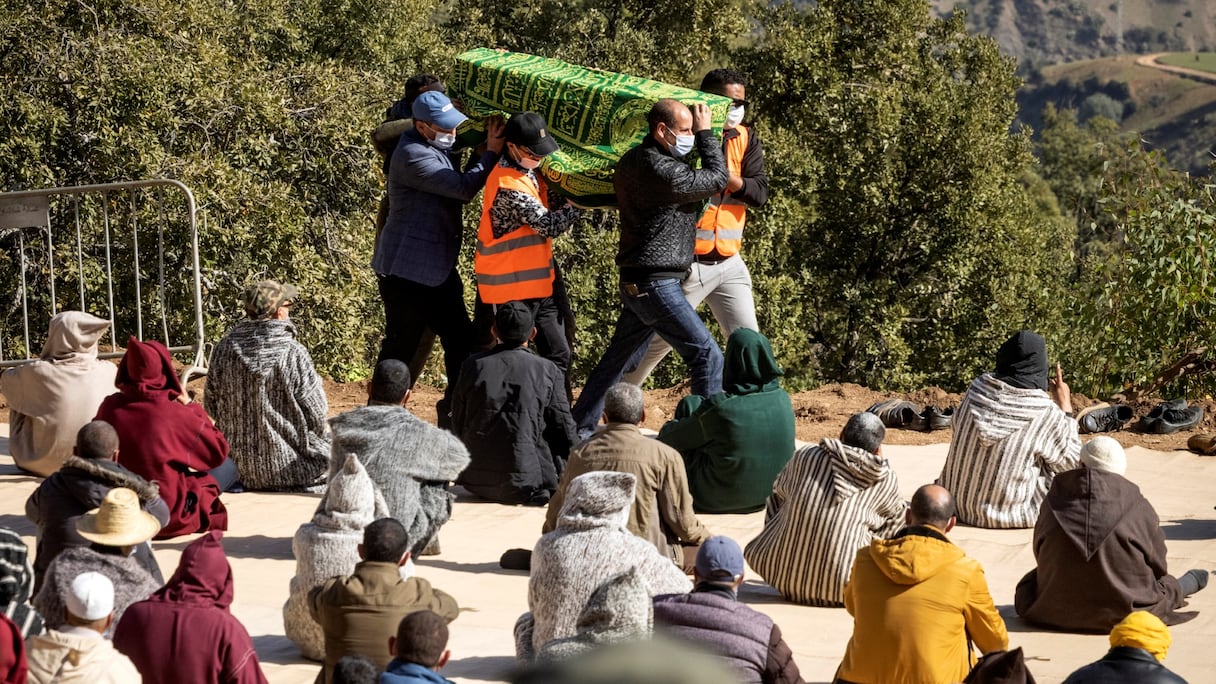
(1100,551)
(419,649)
(620,610)
(17,584)
(78,487)
(266,396)
(328,546)
(829,501)
(713,617)
(410,461)
(510,409)
(735,443)
(1138,644)
(589,546)
(185,631)
(51,397)
(1011,438)
(76,650)
(360,612)
(918,602)
(115,530)
(167,439)
(662,508)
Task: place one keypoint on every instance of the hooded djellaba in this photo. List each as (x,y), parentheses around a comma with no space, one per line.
(589,546)
(619,611)
(735,444)
(49,399)
(185,631)
(328,546)
(167,441)
(1100,551)
(1010,439)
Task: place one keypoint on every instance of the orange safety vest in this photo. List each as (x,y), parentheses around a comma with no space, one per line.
(518,265)
(721,226)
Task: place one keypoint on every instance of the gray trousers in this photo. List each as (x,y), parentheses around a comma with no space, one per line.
(727,288)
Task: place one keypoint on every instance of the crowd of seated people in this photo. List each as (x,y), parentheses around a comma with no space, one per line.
(623,561)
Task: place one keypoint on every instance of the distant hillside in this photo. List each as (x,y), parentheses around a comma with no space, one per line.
(1171,113)
(1043,32)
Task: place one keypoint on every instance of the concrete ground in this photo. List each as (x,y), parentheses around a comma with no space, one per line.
(1181,485)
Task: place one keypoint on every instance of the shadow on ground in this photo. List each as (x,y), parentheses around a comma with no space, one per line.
(277,649)
(481,668)
(257,546)
(1189,529)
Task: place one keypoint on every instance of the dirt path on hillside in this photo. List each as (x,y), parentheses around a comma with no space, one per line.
(1197,74)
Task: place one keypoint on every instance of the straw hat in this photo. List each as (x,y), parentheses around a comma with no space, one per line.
(119,521)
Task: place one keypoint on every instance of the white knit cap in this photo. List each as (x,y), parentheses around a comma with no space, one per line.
(91,596)
(1104,453)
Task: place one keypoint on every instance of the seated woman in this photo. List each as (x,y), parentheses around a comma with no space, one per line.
(1011,437)
(52,397)
(165,438)
(736,443)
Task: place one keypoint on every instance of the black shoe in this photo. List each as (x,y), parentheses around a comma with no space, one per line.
(937,419)
(897,413)
(516,559)
(1179,419)
(1151,422)
(1104,418)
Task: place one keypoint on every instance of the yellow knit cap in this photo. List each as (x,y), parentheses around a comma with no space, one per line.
(1142,629)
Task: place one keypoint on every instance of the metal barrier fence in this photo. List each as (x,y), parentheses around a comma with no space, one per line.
(127,249)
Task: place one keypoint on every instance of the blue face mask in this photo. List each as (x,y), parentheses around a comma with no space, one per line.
(683,145)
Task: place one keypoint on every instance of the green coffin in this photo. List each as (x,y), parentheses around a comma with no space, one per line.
(595,115)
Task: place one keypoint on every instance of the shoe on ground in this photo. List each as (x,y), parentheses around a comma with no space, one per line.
(1104,417)
(1152,421)
(1179,419)
(937,419)
(1202,444)
(516,559)
(897,413)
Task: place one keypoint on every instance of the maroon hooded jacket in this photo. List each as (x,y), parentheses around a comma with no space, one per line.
(185,632)
(13,668)
(164,440)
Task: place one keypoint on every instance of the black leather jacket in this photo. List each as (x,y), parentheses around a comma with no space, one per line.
(1125,665)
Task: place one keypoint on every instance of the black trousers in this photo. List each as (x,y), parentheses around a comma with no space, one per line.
(411,308)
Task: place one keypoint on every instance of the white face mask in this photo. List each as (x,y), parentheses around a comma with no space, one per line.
(734,116)
(528,163)
(444,141)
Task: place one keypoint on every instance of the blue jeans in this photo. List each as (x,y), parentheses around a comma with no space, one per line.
(656,306)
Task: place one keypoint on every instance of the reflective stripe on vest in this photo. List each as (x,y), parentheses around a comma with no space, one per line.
(519,264)
(721,226)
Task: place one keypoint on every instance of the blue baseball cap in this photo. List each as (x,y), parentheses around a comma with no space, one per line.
(719,558)
(435,108)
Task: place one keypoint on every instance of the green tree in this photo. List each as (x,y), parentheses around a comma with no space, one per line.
(911,244)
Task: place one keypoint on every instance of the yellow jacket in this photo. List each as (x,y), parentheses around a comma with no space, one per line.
(915,599)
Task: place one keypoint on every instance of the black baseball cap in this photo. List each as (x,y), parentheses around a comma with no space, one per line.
(527,129)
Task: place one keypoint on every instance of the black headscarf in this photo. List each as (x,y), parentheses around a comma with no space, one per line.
(1022,361)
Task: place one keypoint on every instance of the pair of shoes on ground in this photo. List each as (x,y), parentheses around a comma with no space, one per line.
(1171,417)
(1104,417)
(1202,444)
(898,413)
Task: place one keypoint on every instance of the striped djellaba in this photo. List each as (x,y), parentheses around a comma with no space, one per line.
(830,500)
(1008,445)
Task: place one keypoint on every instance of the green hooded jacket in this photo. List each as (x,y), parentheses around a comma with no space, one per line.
(735,444)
